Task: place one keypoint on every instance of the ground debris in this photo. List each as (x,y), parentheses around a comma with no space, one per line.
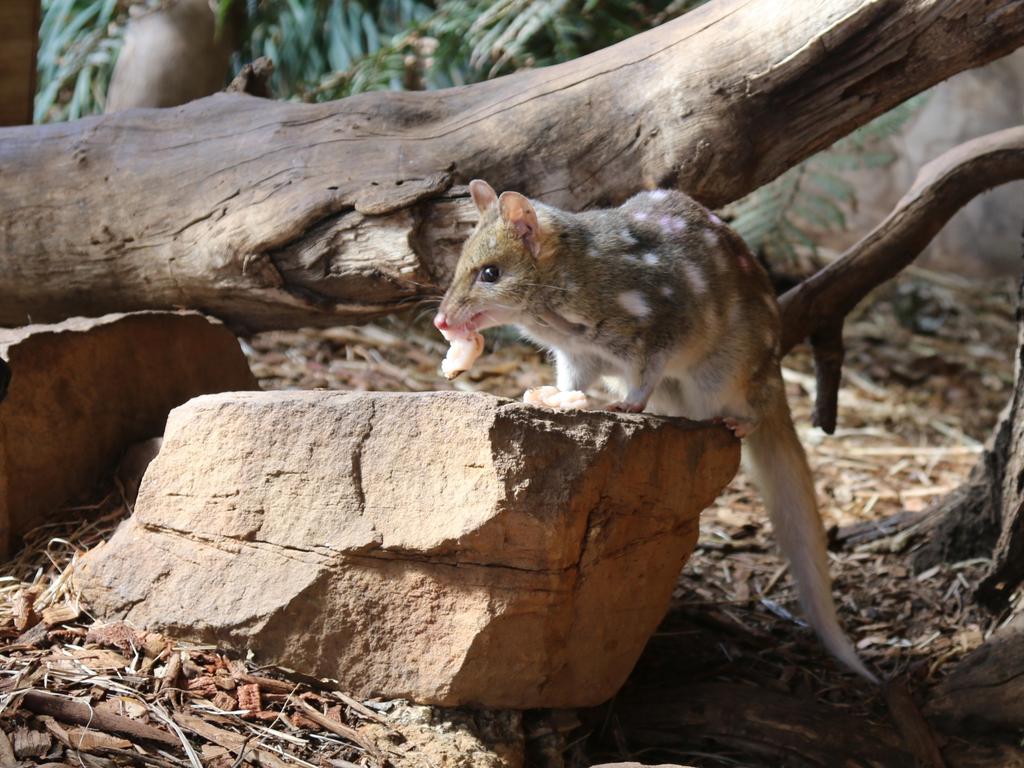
(113,694)
(30,743)
(917,402)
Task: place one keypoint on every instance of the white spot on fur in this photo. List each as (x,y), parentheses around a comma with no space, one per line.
(592,253)
(695,276)
(714,219)
(658,194)
(627,237)
(711,238)
(640,216)
(666,291)
(672,224)
(492,241)
(651,259)
(634,303)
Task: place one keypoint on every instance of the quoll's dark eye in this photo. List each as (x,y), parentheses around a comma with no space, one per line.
(490,274)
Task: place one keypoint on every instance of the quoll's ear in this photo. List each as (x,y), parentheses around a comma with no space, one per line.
(483,194)
(517,211)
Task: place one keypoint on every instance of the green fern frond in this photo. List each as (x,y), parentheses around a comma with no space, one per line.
(787,215)
(472,40)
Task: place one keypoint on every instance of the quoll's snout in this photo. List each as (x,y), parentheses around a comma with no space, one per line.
(441,321)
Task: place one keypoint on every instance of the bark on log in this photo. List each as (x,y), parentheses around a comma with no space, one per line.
(986,689)
(781,729)
(5,379)
(283,215)
(818,306)
(758,721)
(985,516)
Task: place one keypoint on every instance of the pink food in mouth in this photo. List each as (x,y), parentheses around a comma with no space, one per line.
(464,347)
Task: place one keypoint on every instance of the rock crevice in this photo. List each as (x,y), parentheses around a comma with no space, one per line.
(84,390)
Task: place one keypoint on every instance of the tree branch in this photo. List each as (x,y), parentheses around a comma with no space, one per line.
(274,214)
(818,306)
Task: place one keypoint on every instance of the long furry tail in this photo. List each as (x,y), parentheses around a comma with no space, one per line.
(779,467)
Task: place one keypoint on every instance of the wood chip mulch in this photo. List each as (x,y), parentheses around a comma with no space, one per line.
(929,366)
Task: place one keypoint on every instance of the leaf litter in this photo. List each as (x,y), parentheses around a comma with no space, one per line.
(928,368)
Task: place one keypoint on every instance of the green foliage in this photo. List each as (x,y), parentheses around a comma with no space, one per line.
(327,49)
(313,43)
(784,217)
(78,42)
(333,48)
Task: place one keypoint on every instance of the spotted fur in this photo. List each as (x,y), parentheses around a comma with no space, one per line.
(663,302)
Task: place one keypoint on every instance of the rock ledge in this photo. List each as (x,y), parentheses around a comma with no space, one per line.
(445,548)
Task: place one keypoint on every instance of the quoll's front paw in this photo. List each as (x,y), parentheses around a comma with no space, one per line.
(739,427)
(553,397)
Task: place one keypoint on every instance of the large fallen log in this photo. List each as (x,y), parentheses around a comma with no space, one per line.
(280,215)
(985,516)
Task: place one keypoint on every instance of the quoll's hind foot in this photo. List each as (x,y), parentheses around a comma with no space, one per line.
(553,397)
(621,406)
(739,427)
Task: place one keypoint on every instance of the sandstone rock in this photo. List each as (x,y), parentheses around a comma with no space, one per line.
(446,548)
(83,390)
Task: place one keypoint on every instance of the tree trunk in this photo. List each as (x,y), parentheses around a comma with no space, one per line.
(19,23)
(785,730)
(985,516)
(173,55)
(987,688)
(272,215)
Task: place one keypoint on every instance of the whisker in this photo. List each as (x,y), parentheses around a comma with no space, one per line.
(421,316)
(428,302)
(420,300)
(418,284)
